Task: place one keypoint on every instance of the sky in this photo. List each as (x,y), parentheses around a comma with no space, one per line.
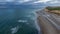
(52,2)
(34,1)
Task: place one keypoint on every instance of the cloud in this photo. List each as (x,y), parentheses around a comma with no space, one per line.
(20,1)
(23,1)
(44,1)
(9,0)
(33,1)
(53,2)
(47,1)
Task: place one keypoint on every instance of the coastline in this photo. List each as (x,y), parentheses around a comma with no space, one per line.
(46,27)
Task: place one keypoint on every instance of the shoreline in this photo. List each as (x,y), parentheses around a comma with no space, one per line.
(47,28)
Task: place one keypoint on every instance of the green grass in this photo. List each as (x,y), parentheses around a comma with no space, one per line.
(50,8)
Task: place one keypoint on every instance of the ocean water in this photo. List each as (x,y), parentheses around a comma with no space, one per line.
(17,21)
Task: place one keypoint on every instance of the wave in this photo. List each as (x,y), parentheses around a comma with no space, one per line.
(14,30)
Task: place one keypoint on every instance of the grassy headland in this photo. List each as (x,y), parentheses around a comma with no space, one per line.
(55,10)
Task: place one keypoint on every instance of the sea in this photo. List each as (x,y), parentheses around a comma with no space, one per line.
(19,19)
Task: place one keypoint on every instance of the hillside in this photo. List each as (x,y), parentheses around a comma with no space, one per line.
(55,10)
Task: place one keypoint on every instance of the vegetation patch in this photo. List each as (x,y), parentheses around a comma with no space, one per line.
(53,8)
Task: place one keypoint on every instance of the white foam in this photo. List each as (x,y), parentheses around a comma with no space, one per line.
(29,16)
(22,21)
(14,30)
(27,23)
(37,26)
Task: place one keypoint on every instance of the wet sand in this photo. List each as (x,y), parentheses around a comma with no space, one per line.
(46,27)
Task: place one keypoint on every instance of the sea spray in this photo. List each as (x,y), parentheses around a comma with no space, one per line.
(37,26)
(14,30)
